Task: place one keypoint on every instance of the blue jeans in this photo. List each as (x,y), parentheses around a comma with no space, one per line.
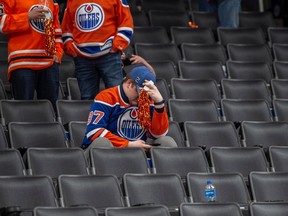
(89,71)
(45,82)
(227,11)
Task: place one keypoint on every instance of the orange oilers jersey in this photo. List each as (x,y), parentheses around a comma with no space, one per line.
(112,117)
(92,28)
(26,43)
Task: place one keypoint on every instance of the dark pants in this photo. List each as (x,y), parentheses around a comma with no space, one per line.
(45,82)
(89,71)
(226,10)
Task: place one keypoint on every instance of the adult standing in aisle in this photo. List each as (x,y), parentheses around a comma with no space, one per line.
(94,34)
(35,47)
(227,11)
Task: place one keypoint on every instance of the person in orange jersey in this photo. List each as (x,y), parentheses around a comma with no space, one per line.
(34,48)
(95,33)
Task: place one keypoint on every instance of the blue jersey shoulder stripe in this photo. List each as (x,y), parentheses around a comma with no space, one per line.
(126,32)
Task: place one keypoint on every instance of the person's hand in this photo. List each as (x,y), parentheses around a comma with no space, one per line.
(37,13)
(139,144)
(123,55)
(137,59)
(153,91)
(56,59)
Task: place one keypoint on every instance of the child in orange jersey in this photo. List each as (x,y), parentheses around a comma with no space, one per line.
(115,115)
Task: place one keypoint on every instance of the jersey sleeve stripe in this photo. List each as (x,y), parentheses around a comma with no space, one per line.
(104,133)
(91,133)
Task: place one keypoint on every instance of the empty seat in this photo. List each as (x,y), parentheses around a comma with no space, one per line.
(45,135)
(201,70)
(250,53)
(26,111)
(73,110)
(204,52)
(168,19)
(164,70)
(242,160)
(55,162)
(245,110)
(158,52)
(280,52)
(205,20)
(181,35)
(278,35)
(140,19)
(3,93)
(77,131)
(163,88)
(264,134)
(249,70)
(268,208)
(61,93)
(182,110)
(210,209)
(278,158)
(73,89)
(153,210)
(175,132)
(3,139)
(280,109)
(257,19)
(164,189)
(66,70)
(3,75)
(156,34)
(269,186)
(240,36)
(279,88)
(280,69)
(99,191)
(178,160)
(27,192)
(195,89)
(245,89)
(118,161)
(208,134)
(68,211)
(169,5)
(11,163)
(193,5)
(230,187)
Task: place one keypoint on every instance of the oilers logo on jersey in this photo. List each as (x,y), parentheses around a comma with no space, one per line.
(89,17)
(124,3)
(128,126)
(39,24)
